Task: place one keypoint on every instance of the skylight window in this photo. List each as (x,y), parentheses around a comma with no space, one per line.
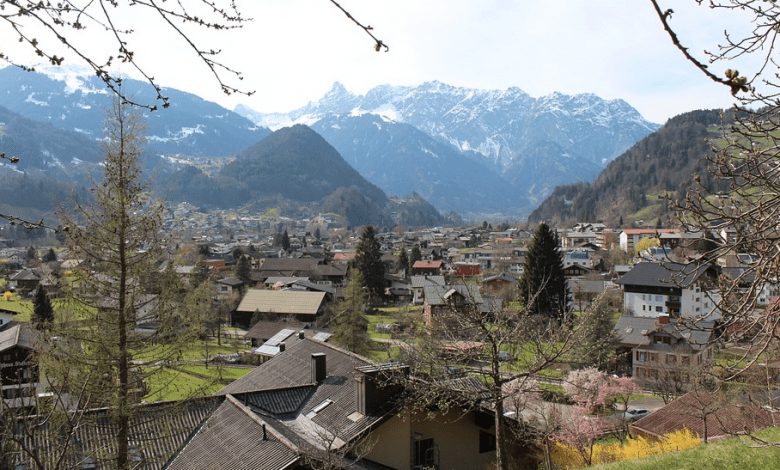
(322,405)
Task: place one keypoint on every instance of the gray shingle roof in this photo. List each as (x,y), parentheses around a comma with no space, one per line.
(157,432)
(292,370)
(663,275)
(438,295)
(19,334)
(637,331)
(234,438)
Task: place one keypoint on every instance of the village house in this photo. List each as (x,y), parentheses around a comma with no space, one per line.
(662,351)
(418,286)
(678,290)
(629,238)
(301,306)
(18,373)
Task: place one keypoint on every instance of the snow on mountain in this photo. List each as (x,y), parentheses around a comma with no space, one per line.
(68,97)
(532,143)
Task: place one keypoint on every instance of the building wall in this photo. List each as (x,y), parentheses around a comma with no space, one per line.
(455,435)
(693,303)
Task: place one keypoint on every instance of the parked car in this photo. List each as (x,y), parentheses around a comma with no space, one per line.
(633,414)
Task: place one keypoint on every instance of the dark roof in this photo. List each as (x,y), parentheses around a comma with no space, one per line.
(231,281)
(235,438)
(663,275)
(637,331)
(291,371)
(158,431)
(439,295)
(265,330)
(633,330)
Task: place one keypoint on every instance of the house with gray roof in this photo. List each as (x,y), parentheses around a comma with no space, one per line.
(663,351)
(309,404)
(678,290)
(18,373)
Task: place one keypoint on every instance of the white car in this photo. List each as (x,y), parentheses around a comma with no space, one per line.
(633,414)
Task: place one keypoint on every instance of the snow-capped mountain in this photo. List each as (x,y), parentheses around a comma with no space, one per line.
(534,144)
(495,123)
(401,159)
(73,98)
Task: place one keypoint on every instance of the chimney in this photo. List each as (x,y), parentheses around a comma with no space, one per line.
(318,369)
(301,334)
(282,346)
(663,319)
(374,386)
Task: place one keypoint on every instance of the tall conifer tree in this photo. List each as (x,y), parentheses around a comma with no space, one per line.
(368,259)
(42,309)
(543,286)
(349,322)
(118,236)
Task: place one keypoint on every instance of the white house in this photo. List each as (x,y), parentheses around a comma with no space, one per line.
(677,290)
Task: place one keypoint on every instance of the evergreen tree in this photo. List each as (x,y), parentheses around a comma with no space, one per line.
(118,236)
(403,261)
(349,323)
(244,269)
(543,286)
(204,251)
(50,256)
(317,233)
(597,340)
(368,259)
(31,253)
(43,312)
(199,273)
(285,241)
(415,256)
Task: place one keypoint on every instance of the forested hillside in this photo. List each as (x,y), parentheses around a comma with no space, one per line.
(632,186)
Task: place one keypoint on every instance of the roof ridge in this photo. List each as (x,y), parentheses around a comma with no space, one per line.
(254,417)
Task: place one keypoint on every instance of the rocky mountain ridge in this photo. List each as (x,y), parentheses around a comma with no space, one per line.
(532,144)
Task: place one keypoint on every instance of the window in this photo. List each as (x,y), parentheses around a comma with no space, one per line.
(671,359)
(659,309)
(640,356)
(487,442)
(659,298)
(643,297)
(423,453)
(685,360)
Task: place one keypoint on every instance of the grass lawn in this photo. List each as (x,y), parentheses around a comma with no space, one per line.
(721,455)
(218,373)
(197,351)
(22,307)
(382,318)
(169,384)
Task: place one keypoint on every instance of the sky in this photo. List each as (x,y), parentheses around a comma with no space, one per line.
(292,51)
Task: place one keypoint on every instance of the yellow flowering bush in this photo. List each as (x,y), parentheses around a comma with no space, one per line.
(635,448)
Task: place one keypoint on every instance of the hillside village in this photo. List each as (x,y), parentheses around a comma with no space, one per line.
(276,312)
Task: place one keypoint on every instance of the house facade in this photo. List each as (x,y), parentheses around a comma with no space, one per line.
(662,352)
(18,373)
(677,290)
(631,237)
